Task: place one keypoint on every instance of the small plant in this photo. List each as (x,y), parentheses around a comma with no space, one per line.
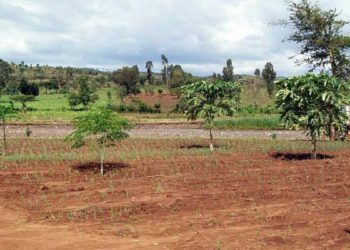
(28,132)
(105,127)
(157,108)
(4,112)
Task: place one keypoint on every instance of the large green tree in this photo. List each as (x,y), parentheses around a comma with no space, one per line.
(5,72)
(313,102)
(207,100)
(177,77)
(127,77)
(84,95)
(269,75)
(320,35)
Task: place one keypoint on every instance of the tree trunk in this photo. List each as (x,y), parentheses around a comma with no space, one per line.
(333,65)
(211,140)
(314,149)
(102,157)
(4,134)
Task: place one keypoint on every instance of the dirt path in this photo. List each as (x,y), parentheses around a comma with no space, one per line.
(156,131)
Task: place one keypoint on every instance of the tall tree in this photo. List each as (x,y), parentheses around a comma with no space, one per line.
(320,36)
(228,71)
(5,72)
(177,77)
(165,63)
(269,75)
(127,77)
(149,66)
(257,72)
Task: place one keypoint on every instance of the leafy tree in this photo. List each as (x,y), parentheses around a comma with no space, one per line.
(320,36)
(28,89)
(165,71)
(23,99)
(177,77)
(85,94)
(227,71)
(312,102)
(5,111)
(105,127)
(5,72)
(73,100)
(127,77)
(149,66)
(257,72)
(208,100)
(269,75)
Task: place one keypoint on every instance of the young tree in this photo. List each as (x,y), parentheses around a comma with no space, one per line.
(105,127)
(208,100)
(269,75)
(4,112)
(320,35)
(149,66)
(227,71)
(312,102)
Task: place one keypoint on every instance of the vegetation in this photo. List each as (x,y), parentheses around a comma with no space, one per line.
(269,75)
(313,102)
(85,94)
(320,35)
(208,100)
(4,112)
(104,126)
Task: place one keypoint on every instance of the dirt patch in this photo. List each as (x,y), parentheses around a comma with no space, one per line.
(95,167)
(173,198)
(300,156)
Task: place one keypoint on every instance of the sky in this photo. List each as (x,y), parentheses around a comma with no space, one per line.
(200,35)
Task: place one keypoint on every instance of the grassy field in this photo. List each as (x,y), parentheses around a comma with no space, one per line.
(54,108)
(176,194)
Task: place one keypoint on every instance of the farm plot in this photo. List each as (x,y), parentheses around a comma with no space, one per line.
(175,194)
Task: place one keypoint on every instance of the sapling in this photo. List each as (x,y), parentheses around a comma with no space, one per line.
(313,103)
(103,126)
(208,100)
(5,111)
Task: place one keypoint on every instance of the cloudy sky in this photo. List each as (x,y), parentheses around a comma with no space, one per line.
(198,34)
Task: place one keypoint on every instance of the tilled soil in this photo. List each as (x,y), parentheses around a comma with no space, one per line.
(229,200)
(156,131)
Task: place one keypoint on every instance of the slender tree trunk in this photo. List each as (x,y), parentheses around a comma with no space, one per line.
(4,134)
(102,157)
(211,140)
(314,149)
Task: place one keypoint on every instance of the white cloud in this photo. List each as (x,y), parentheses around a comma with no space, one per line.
(200,35)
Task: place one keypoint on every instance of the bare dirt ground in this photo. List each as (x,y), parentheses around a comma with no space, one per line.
(157,131)
(184,200)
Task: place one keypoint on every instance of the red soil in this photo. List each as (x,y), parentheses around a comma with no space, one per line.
(223,201)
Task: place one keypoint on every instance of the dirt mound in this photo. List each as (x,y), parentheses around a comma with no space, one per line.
(300,156)
(95,166)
